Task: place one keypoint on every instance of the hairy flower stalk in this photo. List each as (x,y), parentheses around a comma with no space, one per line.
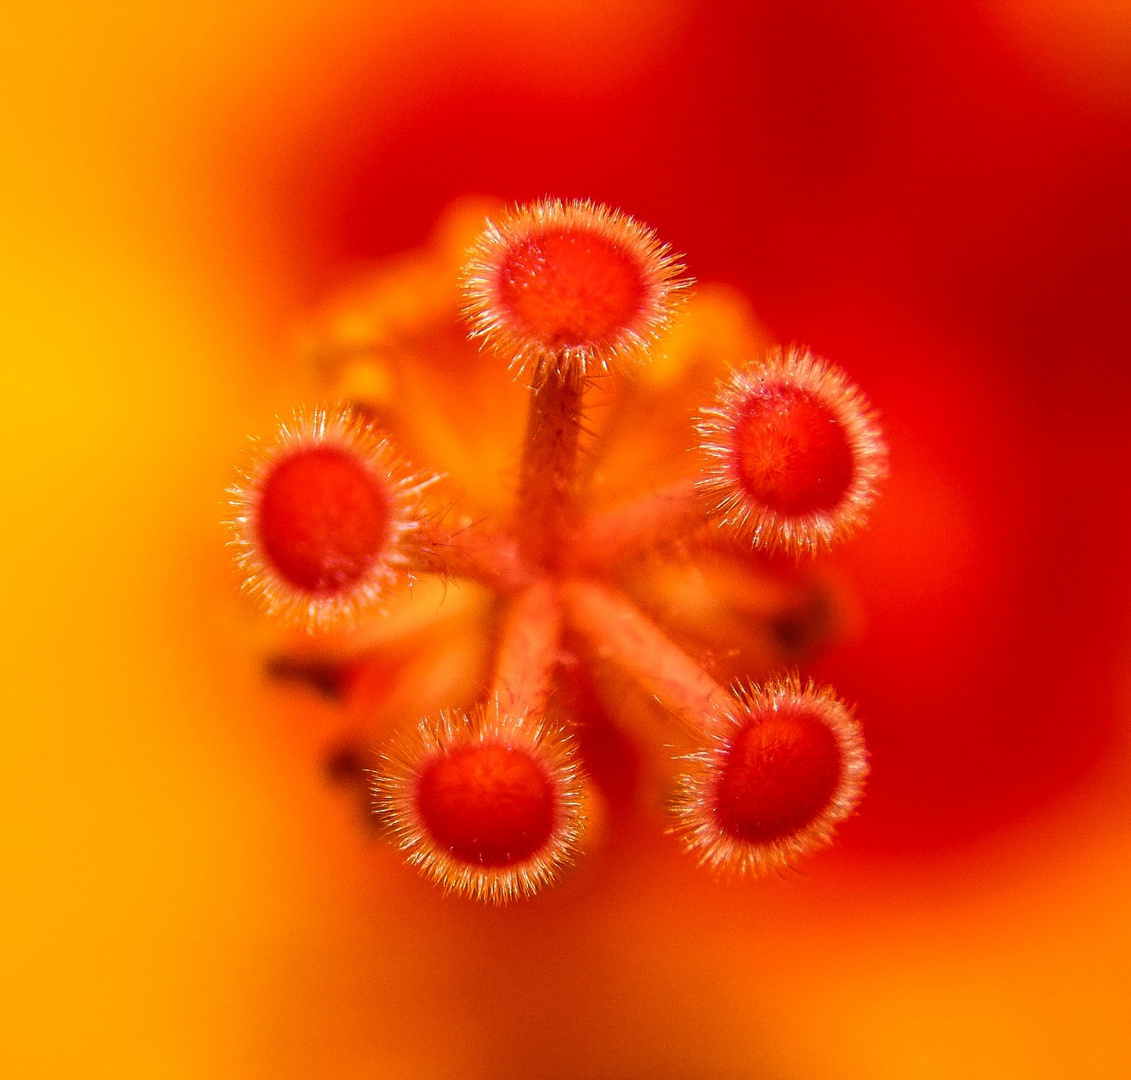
(636,538)
(489,804)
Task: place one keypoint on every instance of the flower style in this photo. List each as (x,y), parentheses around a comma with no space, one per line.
(621,580)
(321,519)
(797,453)
(563,289)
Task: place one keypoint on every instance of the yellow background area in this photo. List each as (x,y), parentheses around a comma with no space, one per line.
(180,898)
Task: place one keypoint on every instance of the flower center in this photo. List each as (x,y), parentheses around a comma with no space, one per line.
(488,805)
(791,452)
(571,288)
(323,519)
(781,773)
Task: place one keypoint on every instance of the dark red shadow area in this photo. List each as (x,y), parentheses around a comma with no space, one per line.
(891,185)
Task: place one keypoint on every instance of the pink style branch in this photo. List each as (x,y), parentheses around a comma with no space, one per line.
(637,544)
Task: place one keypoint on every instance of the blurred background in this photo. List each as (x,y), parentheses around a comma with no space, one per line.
(934,196)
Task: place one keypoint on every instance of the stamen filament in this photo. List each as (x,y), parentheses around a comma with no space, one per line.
(527,651)
(639,524)
(488,557)
(545,508)
(620,631)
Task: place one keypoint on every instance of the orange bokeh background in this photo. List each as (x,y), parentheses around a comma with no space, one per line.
(937,200)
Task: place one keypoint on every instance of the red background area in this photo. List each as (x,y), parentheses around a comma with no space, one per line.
(900,187)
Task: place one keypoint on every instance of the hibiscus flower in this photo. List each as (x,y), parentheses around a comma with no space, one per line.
(927,199)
